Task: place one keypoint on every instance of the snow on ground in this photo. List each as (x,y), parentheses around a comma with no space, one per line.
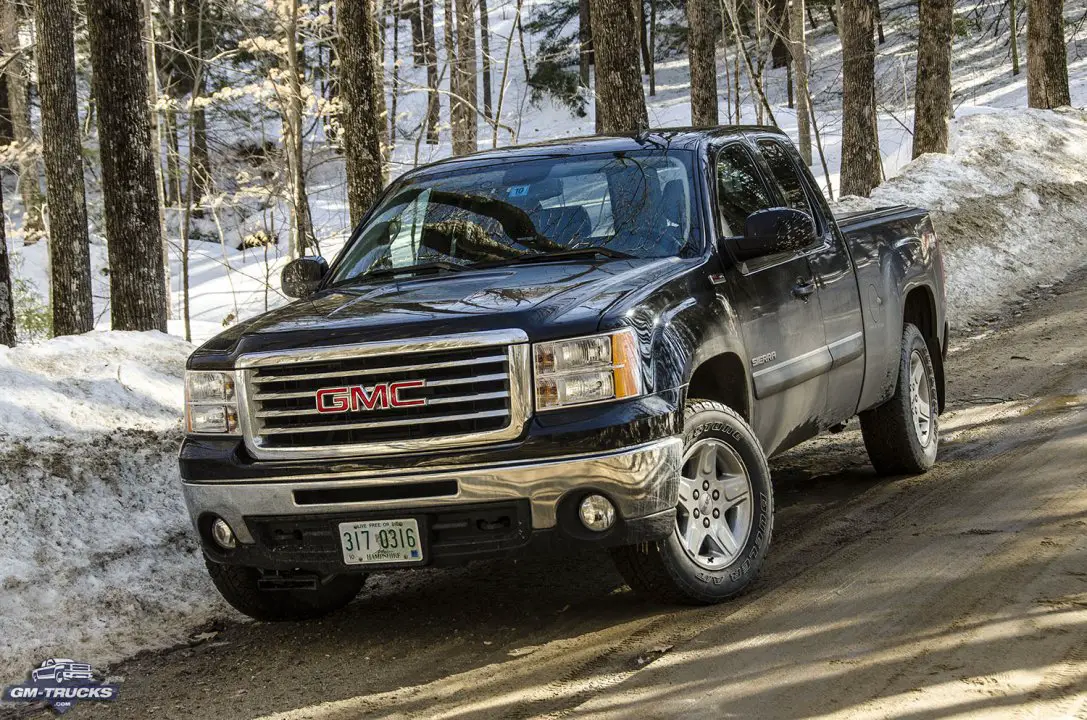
(98,559)
(1009,203)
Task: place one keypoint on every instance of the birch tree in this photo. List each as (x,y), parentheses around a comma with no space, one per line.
(69,256)
(119,83)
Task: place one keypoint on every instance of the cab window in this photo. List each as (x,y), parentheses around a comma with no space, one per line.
(785,175)
(740,190)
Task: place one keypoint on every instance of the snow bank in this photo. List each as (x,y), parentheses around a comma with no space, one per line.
(96,557)
(1009,203)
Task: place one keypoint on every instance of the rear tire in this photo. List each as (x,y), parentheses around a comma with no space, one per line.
(238,586)
(724,519)
(902,434)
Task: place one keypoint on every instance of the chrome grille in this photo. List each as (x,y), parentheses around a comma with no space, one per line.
(462,390)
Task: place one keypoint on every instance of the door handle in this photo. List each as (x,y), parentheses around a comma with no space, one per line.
(803,289)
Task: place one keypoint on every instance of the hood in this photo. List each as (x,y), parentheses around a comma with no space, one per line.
(544,299)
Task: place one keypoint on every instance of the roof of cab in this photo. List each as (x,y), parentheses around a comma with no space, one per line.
(681,138)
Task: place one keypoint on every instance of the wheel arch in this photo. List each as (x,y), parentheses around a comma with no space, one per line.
(722,378)
(919,309)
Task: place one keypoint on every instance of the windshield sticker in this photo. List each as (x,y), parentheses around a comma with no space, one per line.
(518,191)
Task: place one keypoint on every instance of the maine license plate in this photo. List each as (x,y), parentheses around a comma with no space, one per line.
(373,542)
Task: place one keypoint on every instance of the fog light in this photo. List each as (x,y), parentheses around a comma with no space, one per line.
(597,513)
(222,534)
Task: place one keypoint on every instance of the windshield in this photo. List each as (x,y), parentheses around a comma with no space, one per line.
(635,204)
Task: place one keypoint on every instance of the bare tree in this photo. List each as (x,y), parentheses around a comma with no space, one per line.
(358,116)
(137,291)
(798,48)
(430,55)
(620,100)
(69,256)
(7,296)
(585,41)
(26,145)
(932,95)
(860,171)
(465,125)
(197,35)
(703,62)
(302,237)
(1013,25)
(1047,58)
(485,56)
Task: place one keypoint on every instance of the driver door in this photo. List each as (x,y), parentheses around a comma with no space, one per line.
(780,317)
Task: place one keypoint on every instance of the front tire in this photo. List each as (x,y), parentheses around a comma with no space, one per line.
(724,518)
(239,586)
(902,434)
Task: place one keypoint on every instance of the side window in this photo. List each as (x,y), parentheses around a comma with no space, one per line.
(740,191)
(785,175)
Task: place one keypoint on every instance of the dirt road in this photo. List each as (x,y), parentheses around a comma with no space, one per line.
(962,592)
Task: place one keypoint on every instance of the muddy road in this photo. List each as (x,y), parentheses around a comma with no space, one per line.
(961,591)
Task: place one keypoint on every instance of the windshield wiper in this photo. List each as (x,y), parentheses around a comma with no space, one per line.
(433,266)
(559,256)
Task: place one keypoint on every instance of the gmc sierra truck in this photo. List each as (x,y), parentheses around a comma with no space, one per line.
(592,342)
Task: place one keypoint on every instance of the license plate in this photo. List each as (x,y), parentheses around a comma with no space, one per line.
(373,542)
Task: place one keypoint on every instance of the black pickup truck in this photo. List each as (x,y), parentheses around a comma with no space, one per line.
(588,342)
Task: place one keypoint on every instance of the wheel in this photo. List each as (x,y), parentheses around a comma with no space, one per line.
(723,521)
(238,586)
(902,434)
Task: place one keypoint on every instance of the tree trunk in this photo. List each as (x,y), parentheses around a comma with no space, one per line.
(652,48)
(879,22)
(17,78)
(302,238)
(358,116)
(418,35)
(485,52)
(195,21)
(7,295)
(382,109)
(643,35)
(620,101)
(173,159)
(70,262)
(932,94)
(394,89)
(137,297)
(465,128)
(456,102)
(860,171)
(430,52)
(798,48)
(703,62)
(1047,59)
(156,142)
(585,41)
(1013,22)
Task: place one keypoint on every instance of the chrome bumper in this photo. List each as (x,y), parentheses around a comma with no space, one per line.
(640,481)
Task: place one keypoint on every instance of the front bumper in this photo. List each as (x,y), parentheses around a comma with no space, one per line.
(533,499)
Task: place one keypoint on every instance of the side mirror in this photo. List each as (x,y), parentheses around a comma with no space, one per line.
(773,231)
(303,276)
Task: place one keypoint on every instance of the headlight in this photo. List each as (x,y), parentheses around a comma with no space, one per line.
(211,403)
(587,370)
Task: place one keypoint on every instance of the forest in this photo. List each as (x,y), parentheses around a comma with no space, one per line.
(163,159)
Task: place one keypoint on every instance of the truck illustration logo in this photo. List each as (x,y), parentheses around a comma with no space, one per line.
(61,683)
(381,396)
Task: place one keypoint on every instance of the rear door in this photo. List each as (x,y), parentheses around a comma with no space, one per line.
(834,275)
(779,312)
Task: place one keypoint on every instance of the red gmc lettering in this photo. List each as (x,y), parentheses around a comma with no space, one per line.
(357,397)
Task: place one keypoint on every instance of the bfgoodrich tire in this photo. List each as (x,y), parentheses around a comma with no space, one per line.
(902,434)
(238,586)
(724,518)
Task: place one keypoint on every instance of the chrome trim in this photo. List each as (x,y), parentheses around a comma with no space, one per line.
(377,371)
(513,342)
(303,429)
(641,480)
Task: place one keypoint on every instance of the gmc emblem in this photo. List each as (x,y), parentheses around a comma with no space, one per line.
(356,397)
